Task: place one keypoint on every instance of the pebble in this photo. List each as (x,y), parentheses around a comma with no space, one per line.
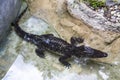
(112,13)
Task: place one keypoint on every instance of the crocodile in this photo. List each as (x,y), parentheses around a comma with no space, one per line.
(48,42)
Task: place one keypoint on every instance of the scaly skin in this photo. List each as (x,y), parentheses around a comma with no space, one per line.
(50,42)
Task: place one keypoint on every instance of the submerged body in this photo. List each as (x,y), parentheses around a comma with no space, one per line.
(50,42)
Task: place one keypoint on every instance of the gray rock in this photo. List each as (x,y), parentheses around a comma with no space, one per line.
(8,11)
(118,1)
(110,3)
(91,17)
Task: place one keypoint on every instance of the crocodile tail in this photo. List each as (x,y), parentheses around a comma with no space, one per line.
(19,31)
(20,15)
(17,28)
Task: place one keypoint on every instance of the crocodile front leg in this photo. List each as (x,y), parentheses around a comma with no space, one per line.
(75,40)
(63,59)
(40,52)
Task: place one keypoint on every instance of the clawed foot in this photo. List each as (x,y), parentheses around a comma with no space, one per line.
(66,64)
(40,53)
(75,40)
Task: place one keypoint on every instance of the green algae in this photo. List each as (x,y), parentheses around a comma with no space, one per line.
(96,4)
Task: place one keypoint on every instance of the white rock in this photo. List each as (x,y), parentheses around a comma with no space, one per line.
(118,15)
(113,12)
(113,20)
(115,7)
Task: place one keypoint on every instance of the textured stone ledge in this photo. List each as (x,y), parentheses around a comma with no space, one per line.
(80,11)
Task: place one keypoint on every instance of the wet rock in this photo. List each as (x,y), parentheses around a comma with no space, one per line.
(115,47)
(58,66)
(61,7)
(109,3)
(82,31)
(93,18)
(113,51)
(107,36)
(113,13)
(84,13)
(66,22)
(8,11)
(75,68)
(95,41)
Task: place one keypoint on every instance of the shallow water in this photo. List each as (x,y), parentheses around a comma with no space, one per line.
(28,66)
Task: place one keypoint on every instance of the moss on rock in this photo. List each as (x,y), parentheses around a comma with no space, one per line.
(95,3)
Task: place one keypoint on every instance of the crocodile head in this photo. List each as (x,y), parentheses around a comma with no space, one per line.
(84,51)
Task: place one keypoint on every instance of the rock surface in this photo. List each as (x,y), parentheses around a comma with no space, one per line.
(113,13)
(55,13)
(110,2)
(8,11)
(67,25)
(80,11)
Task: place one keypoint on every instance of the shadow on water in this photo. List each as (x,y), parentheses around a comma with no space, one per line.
(4,41)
